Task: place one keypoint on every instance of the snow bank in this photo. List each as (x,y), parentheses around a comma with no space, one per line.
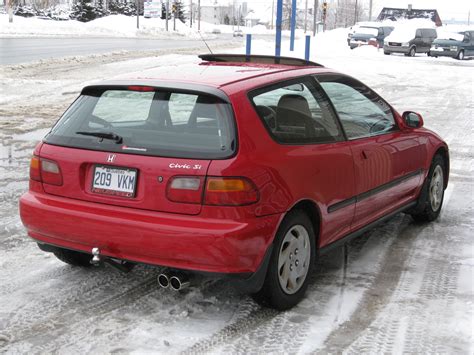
(109,26)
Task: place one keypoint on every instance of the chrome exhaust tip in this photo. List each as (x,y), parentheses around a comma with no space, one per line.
(179,282)
(163,280)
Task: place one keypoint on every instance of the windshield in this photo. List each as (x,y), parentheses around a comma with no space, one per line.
(367,31)
(148,122)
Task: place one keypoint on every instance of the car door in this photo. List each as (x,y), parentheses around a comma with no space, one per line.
(387,161)
(469,43)
(313,157)
(419,41)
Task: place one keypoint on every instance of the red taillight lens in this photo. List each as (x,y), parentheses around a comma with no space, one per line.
(185,189)
(45,170)
(230,191)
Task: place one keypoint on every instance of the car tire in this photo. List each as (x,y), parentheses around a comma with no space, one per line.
(460,55)
(291,263)
(73,258)
(386,53)
(412,52)
(431,197)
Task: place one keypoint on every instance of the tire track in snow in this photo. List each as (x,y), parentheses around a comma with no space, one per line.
(54,312)
(276,332)
(374,299)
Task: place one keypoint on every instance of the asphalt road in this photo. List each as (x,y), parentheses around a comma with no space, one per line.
(22,50)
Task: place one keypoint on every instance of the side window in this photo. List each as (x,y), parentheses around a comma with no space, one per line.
(180,107)
(418,33)
(296,112)
(362,112)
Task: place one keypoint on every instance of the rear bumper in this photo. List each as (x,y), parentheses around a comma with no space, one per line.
(396,49)
(184,242)
(442,53)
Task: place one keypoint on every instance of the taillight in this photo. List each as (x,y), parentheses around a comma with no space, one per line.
(185,189)
(230,191)
(35,173)
(45,171)
(218,191)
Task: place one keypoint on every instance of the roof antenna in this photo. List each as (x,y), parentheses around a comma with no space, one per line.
(205,42)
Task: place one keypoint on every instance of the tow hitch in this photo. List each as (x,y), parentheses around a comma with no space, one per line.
(120,265)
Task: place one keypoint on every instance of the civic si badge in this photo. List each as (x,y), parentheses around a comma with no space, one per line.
(111,158)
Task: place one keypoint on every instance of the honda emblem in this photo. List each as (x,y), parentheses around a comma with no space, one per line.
(111,158)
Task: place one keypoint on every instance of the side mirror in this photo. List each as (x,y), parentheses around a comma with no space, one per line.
(412,119)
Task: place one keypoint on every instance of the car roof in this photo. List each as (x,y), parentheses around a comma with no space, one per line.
(216,74)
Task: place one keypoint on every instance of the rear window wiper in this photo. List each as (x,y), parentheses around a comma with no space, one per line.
(112,136)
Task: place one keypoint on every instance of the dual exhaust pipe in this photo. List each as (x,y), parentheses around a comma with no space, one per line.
(176,282)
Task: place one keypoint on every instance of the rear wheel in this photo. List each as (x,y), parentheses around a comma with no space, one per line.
(72,257)
(432,193)
(291,263)
(460,55)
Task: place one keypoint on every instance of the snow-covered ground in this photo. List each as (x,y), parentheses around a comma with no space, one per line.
(113,26)
(406,287)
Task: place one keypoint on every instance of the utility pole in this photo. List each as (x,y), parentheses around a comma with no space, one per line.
(238,20)
(355,13)
(191,13)
(305,15)
(370,10)
(138,13)
(469,18)
(233,15)
(167,13)
(174,15)
(199,15)
(273,13)
(315,15)
(10,10)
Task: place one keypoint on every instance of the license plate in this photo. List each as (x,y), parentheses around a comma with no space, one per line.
(114,181)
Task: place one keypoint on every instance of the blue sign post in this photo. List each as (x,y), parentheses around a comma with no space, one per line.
(278,28)
(307,48)
(293,25)
(248,47)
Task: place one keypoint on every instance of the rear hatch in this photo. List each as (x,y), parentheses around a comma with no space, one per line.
(138,146)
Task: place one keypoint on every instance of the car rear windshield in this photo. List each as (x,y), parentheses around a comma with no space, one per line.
(147,121)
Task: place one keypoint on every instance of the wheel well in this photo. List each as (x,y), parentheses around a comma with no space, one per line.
(443,152)
(311,209)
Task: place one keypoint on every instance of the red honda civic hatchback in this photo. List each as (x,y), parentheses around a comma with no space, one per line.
(245,167)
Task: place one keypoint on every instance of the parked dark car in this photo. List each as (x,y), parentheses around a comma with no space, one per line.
(365,34)
(409,41)
(456,45)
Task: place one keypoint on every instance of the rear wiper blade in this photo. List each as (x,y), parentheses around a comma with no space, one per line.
(104,135)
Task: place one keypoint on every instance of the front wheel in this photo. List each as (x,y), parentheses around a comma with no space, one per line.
(432,193)
(291,263)
(412,52)
(460,55)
